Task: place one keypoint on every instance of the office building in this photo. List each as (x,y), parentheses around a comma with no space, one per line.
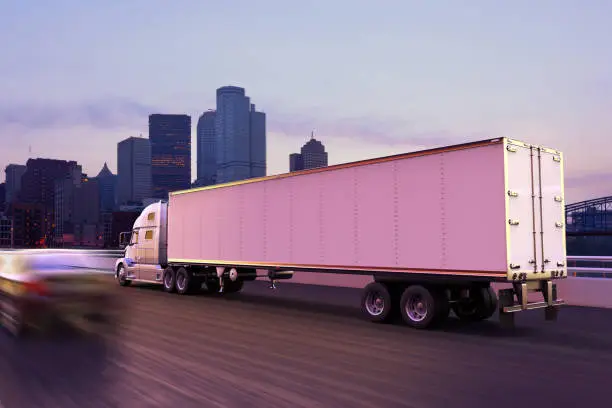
(240,133)
(6,232)
(29,225)
(13,173)
(133,170)
(107,183)
(258,142)
(311,156)
(2,197)
(206,149)
(38,187)
(170,137)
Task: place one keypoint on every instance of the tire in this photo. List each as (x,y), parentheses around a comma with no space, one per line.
(183,281)
(377,302)
(169,280)
(121,276)
(443,305)
(481,305)
(422,308)
(232,286)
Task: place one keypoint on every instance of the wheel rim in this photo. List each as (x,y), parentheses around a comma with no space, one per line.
(121,274)
(416,308)
(180,281)
(375,304)
(167,280)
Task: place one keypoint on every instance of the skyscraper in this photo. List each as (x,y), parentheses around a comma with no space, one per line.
(133,170)
(13,173)
(38,187)
(258,143)
(107,182)
(312,156)
(206,149)
(240,133)
(170,137)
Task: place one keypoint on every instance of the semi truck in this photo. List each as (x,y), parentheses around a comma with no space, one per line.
(434,229)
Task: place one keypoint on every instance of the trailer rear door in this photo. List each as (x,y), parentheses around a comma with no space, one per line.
(535,211)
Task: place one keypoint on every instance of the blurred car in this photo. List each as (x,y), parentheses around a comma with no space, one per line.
(41,288)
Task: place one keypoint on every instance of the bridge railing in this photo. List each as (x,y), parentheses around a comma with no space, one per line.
(589,266)
(577,266)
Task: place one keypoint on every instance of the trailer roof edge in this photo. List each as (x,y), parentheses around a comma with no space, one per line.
(462,146)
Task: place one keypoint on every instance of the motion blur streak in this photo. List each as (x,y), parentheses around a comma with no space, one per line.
(305,346)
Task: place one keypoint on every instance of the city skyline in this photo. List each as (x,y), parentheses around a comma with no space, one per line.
(370,82)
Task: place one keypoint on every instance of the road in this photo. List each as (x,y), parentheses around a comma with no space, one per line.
(306,346)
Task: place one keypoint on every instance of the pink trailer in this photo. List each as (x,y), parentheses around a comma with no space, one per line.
(434,228)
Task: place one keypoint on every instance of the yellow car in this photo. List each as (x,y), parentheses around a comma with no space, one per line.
(39,288)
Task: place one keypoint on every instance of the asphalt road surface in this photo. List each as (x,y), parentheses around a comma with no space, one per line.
(306,346)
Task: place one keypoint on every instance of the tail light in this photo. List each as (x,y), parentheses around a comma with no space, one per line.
(37,288)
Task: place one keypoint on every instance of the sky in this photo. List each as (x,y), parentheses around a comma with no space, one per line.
(370,78)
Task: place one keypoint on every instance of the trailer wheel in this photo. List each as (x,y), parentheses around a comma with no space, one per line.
(376,302)
(481,305)
(169,280)
(183,281)
(443,306)
(420,307)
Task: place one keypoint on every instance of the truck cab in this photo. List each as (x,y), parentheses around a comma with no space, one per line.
(145,247)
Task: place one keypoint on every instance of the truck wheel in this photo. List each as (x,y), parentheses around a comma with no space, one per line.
(169,280)
(184,282)
(122,276)
(443,305)
(376,302)
(481,305)
(420,307)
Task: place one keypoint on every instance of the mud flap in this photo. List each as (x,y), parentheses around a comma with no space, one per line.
(506,299)
(550,312)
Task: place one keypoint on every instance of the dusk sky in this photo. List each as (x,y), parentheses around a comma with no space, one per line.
(371,78)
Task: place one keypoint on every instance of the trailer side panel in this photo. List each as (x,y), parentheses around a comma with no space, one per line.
(441,212)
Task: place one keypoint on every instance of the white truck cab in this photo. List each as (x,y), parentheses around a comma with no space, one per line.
(145,256)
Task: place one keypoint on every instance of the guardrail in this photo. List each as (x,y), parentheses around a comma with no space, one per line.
(589,266)
(577,266)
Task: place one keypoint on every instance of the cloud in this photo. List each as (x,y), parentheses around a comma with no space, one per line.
(589,179)
(117,113)
(388,131)
(108,113)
